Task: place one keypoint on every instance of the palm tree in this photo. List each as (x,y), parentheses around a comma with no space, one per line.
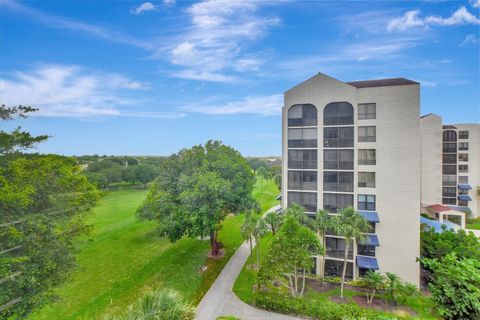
(322,224)
(352,226)
(259,232)
(274,220)
(393,284)
(160,304)
(373,281)
(248,229)
(299,214)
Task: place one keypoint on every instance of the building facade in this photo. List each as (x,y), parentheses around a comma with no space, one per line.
(358,144)
(456,149)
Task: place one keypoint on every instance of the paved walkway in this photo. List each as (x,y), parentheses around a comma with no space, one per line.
(220,299)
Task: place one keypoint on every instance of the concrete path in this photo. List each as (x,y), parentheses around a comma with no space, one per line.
(220,299)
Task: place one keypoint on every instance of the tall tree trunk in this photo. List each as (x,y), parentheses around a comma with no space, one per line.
(258,254)
(322,264)
(303,283)
(344,268)
(296,281)
(214,242)
(371,297)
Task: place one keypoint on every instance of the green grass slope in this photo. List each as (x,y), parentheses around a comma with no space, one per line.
(122,258)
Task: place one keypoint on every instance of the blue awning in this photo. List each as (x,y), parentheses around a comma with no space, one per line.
(464,186)
(367,262)
(458,208)
(464,197)
(370,216)
(438,226)
(372,240)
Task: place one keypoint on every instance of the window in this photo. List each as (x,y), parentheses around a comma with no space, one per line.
(450,147)
(449,191)
(334,268)
(333,202)
(338,113)
(302,159)
(449,201)
(463,192)
(367,111)
(335,248)
(463,179)
(338,159)
(367,134)
(462,134)
(463,157)
(300,115)
(463,146)
(366,179)
(338,181)
(367,156)
(307,200)
(338,137)
(449,169)
(365,250)
(366,202)
(449,158)
(449,135)
(462,203)
(449,180)
(302,138)
(302,180)
(463,168)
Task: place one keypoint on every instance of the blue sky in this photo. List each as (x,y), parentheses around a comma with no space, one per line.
(150,78)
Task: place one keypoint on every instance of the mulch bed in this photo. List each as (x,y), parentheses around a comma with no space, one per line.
(221,254)
(383,305)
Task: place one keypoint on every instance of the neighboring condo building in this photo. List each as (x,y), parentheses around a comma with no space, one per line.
(358,144)
(450,165)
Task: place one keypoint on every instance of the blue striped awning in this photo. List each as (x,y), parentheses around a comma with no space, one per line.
(367,262)
(464,197)
(464,186)
(370,216)
(459,208)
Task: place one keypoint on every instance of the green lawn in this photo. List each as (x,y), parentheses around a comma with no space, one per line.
(473,224)
(123,258)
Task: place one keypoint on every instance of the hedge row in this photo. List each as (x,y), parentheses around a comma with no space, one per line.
(318,309)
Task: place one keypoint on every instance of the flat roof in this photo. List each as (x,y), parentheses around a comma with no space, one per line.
(382,82)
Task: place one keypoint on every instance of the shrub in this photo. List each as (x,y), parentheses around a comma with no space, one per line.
(318,309)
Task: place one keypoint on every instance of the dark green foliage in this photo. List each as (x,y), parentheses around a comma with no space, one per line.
(455,286)
(43,202)
(438,245)
(317,309)
(17,140)
(195,190)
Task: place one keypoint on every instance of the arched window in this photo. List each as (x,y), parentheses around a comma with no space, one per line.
(449,135)
(300,115)
(338,113)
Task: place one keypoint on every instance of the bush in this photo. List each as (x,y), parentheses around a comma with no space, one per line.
(318,309)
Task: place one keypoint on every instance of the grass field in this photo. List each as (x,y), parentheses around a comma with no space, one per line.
(473,224)
(123,258)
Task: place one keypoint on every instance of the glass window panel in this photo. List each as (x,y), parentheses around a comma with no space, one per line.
(449,180)
(366,202)
(367,157)
(463,168)
(334,268)
(463,179)
(335,248)
(463,134)
(449,135)
(449,158)
(333,202)
(338,113)
(302,159)
(302,138)
(449,169)
(307,200)
(366,111)
(366,179)
(302,115)
(463,146)
(367,134)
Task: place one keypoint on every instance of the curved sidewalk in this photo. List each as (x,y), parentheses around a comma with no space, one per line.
(220,299)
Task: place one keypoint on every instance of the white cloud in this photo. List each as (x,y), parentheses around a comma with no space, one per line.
(470,39)
(168,2)
(72,91)
(262,105)
(412,19)
(215,41)
(475,3)
(146,6)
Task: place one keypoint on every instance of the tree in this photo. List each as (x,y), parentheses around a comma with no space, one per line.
(352,226)
(158,305)
(393,286)
(259,232)
(322,224)
(144,173)
(273,220)
(17,140)
(98,179)
(290,255)
(455,286)
(248,228)
(300,215)
(256,163)
(196,188)
(374,281)
(43,202)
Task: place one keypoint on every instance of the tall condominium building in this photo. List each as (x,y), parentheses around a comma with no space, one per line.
(450,165)
(358,144)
